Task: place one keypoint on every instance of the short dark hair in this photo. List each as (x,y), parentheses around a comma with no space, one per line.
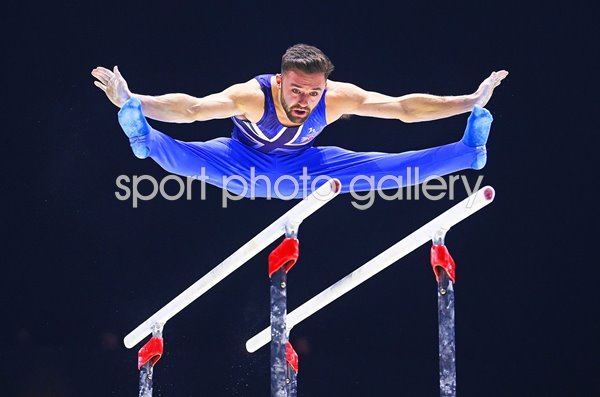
(306,58)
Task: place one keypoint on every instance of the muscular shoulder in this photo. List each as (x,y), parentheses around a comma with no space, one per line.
(247,96)
(342,98)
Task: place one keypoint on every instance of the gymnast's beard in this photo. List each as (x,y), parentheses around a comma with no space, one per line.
(290,115)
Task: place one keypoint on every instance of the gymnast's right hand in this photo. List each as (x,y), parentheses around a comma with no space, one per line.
(113,84)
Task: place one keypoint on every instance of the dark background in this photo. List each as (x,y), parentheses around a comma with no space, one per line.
(80,269)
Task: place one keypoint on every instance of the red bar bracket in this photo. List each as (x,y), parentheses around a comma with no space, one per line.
(286,254)
(441,260)
(151,351)
(291,356)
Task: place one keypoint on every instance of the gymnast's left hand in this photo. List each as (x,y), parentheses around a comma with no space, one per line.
(486,88)
(113,84)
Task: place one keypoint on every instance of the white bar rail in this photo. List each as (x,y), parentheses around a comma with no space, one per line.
(293,217)
(442,223)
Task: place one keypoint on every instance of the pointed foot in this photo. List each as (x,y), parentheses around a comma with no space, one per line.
(135,126)
(477,133)
(478,127)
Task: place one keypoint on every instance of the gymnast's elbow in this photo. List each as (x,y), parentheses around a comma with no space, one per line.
(194,113)
(408,117)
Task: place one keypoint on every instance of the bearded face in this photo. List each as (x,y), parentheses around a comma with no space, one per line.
(300,93)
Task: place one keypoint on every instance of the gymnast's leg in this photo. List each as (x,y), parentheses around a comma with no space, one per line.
(224,162)
(388,171)
(177,157)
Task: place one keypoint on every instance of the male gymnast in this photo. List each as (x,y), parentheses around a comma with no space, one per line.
(276,118)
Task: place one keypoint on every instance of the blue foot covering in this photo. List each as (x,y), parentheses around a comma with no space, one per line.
(477,132)
(135,126)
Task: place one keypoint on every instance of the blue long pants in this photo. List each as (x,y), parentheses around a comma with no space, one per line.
(229,164)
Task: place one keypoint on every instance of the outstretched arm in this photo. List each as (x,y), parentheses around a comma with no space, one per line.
(236,100)
(344,98)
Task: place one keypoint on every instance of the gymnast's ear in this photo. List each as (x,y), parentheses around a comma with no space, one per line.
(278,80)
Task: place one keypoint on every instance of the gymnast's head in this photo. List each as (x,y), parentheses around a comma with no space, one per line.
(302,81)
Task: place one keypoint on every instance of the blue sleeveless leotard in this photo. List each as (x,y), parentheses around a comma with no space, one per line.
(269,135)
